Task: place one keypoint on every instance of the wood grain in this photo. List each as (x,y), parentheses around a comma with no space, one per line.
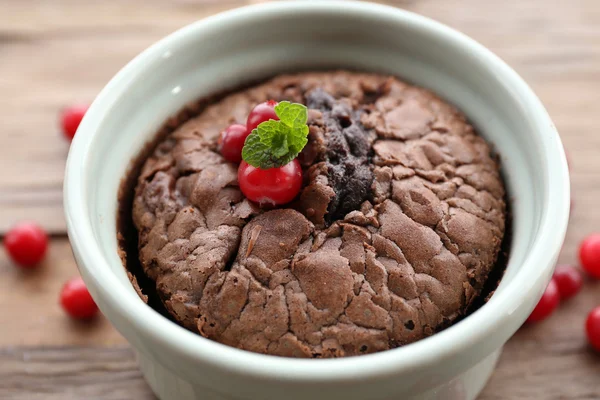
(30,311)
(64,373)
(54,53)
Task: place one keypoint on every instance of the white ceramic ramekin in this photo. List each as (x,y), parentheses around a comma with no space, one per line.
(258,41)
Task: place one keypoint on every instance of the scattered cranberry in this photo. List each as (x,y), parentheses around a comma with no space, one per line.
(272,186)
(76,300)
(589,255)
(592,328)
(232,141)
(261,113)
(547,303)
(569,281)
(70,119)
(26,243)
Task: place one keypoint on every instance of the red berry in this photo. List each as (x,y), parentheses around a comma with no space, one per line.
(26,243)
(261,113)
(547,303)
(273,186)
(589,255)
(569,281)
(592,328)
(70,118)
(76,300)
(232,141)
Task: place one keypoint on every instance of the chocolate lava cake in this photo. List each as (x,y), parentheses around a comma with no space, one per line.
(395,231)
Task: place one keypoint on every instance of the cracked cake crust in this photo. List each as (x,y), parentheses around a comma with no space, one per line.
(393,236)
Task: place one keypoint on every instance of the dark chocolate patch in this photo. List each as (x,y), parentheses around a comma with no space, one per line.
(347,155)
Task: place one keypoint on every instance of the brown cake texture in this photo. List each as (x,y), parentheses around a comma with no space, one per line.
(399,222)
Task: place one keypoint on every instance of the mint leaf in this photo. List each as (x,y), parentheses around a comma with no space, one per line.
(275,143)
(291,114)
(256,153)
(274,135)
(298,139)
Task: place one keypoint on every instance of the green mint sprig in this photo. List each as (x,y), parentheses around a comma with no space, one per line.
(275,143)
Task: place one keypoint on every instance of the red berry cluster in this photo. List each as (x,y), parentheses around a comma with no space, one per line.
(589,256)
(273,186)
(567,281)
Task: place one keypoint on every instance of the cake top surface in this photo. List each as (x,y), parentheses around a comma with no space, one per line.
(398,224)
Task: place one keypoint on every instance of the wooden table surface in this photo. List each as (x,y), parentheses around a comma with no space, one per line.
(54,53)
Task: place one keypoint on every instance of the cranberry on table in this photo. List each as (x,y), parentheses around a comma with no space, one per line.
(592,328)
(70,118)
(547,303)
(26,244)
(589,255)
(232,141)
(569,281)
(273,186)
(261,113)
(77,301)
